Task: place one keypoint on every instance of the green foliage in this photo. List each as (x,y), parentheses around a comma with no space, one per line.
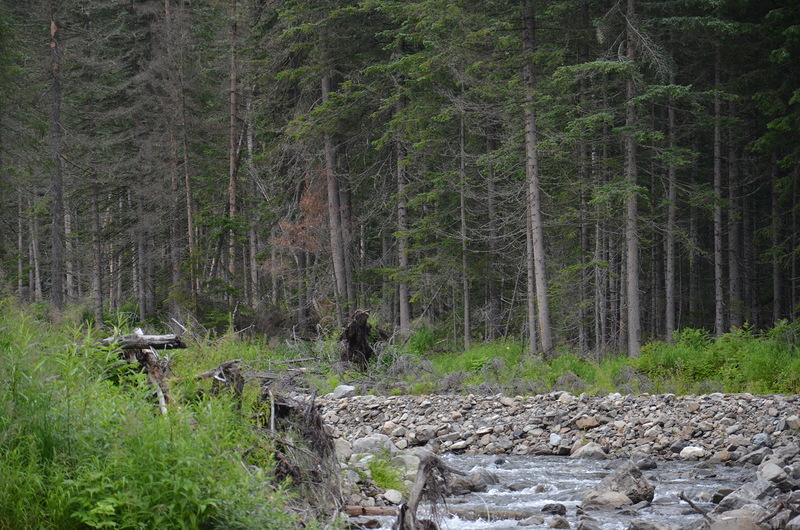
(422,341)
(741,361)
(82,444)
(385,475)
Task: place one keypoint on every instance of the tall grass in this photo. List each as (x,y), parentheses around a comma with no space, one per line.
(82,444)
(739,361)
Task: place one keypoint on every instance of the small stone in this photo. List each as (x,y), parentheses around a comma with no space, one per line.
(692,452)
(393,496)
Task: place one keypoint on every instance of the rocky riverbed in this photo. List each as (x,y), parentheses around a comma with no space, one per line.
(721,427)
(758,434)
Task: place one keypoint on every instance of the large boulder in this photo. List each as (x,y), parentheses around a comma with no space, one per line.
(755,492)
(604,500)
(479,480)
(628,480)
(374,444)
(591,450)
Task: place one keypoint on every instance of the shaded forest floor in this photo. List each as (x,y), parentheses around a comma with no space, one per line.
(83,442)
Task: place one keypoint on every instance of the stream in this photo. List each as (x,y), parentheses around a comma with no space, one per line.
(527,483)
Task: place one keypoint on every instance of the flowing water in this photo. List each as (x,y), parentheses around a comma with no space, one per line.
(527,483)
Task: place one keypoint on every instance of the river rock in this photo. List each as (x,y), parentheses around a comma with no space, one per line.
(343,391)
(628,480)
(756,492)
(604,500)
(592,450)
(479,480)
(393,496)
(557,522)
(554,508)
(691,452)
(374,444)
(343,449)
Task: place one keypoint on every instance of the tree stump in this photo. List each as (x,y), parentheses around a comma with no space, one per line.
(355,339)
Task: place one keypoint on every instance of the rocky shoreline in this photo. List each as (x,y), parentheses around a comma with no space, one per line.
(721,427)
(635,431)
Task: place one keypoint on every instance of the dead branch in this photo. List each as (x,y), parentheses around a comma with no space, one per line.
(430,484)
(695,507)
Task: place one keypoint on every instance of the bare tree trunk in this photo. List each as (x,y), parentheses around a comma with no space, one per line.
(232,149)
(56,180)
(402,246)
(253,239)
(493,289)
(139,267)
(536,228)
(694,276)
(403,295)
(795,250)
(69,264)
(335,217)
(672,196)
(463,211)
(777,281)
(21,250)
(583,285)
(719,309)
(631,213)
(97,259)
(36,271)
(734,240)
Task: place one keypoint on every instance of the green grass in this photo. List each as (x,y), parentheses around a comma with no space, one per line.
(385,475)
(82,444)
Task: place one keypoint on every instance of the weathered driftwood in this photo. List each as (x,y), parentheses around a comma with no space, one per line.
(430,484)
(142,348)
(140,340)
(682,496)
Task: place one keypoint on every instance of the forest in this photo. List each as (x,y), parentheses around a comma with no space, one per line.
(578,174)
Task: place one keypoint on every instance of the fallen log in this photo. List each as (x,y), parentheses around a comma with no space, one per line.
(140,340)
(371,511)
(143,349)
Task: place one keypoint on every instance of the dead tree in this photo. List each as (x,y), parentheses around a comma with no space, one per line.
(143,349)
(355,338)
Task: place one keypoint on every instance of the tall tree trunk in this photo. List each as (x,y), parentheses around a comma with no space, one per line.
(21,250)
(56,180)
(69,255)
(694,273)
(139,263)
(719,314)
(583,280)
(735,302)
(97,258)
(232,149)
(631,210)
(175,221)
(404,299)
(672,196)
(536,259)
(491,210)
(777,281)
(36,267)
(254,289)
(335,217)
(462,178)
